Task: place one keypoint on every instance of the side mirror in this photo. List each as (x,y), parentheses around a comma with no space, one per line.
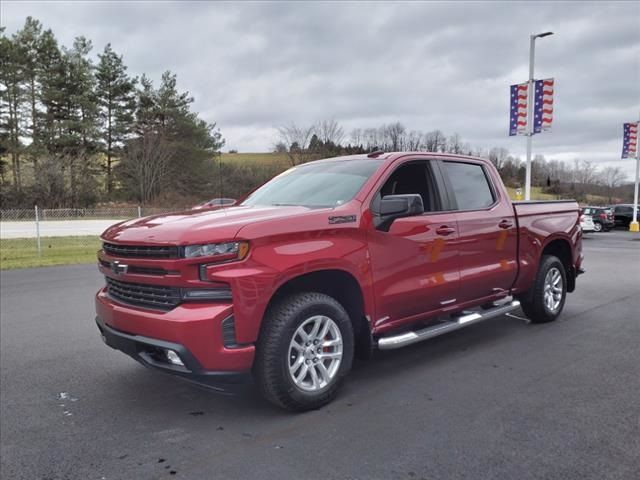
(397,206)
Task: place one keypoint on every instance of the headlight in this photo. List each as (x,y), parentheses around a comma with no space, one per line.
(225,251)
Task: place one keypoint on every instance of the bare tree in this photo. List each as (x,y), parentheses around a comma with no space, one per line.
(498,156)
(414,141)
(372,138)
(455,144)
(356,137)
(396,133)
(611,178)
(147,164)
(329,131)
(584,172)
(296,139)
(434,141)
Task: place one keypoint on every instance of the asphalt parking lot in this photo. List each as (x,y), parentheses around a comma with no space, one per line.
(499,400)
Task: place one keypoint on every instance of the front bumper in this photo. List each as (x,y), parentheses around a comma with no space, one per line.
(193,329)
(148,351)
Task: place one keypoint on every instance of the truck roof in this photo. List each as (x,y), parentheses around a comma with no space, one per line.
(394,155)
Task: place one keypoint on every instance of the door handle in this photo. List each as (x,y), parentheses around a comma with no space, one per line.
(444,230)
(505,224)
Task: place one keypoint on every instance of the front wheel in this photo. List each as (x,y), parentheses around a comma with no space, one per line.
(549,291)
(597,226)
(304,351)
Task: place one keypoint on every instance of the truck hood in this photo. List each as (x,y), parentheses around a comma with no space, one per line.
(195,226)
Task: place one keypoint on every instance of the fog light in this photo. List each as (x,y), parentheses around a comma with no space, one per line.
(174,358)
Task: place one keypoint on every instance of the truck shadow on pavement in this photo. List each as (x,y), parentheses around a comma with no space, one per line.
(152,393)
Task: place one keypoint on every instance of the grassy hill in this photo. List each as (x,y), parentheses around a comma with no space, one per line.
(279,159)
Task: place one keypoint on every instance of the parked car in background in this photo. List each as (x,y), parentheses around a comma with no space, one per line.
(602,218)
(216,202)
(586,223)
(623,214)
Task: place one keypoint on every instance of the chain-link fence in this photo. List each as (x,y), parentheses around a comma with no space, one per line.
(35,237)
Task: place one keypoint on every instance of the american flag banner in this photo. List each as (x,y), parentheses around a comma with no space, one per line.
(518,115)
(630,140)
(543,105)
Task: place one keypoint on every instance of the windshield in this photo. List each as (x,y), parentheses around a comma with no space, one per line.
(323,184)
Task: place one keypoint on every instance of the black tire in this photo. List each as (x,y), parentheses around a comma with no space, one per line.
(271,365)
(533,303)
(597,227)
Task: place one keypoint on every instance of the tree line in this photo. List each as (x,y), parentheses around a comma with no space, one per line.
(576,179)
(74,131)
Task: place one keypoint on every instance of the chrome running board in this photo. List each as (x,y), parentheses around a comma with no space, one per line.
(457,322)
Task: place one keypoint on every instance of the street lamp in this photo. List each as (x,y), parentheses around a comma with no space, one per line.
(532,52)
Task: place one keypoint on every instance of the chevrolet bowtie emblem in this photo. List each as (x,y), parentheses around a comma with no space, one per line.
(119,268)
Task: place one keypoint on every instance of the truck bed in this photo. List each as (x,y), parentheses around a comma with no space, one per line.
(540,222)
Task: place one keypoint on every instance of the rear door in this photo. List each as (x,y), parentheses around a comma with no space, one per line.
(487,233)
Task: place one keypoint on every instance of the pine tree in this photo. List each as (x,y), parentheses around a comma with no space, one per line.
(52,96)
(11,98)
(77,142)
(28,42)
(116,98)
(173,148)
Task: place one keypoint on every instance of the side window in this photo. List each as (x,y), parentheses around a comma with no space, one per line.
(414,177)
(470,185)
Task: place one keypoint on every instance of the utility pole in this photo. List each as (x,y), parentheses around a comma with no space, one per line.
(530,97)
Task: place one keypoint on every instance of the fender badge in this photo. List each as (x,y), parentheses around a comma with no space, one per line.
(342,219)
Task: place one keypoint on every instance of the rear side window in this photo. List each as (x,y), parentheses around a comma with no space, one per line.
(470,185)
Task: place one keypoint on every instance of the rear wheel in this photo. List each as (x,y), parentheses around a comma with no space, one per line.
(549,291)
(304,351)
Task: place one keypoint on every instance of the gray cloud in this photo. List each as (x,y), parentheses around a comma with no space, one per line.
(253,66)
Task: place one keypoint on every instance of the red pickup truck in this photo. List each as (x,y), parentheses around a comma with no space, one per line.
(328,260)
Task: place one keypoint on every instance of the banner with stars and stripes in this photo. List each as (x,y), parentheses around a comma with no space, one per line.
(542,107)
(518,116)
(630,140)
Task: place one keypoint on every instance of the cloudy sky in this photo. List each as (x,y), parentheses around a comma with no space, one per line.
(446,65)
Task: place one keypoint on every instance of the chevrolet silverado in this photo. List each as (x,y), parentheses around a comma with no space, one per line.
(331,259)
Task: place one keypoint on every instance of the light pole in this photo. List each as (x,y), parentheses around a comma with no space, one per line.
(634,226)
(530,93)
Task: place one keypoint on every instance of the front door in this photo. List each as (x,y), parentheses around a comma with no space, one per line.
(415,264)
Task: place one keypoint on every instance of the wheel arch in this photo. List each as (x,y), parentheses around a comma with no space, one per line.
(561,248)
(345,289)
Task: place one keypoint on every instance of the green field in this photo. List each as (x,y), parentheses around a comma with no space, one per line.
(279,159)
(536,194)
(23,252)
